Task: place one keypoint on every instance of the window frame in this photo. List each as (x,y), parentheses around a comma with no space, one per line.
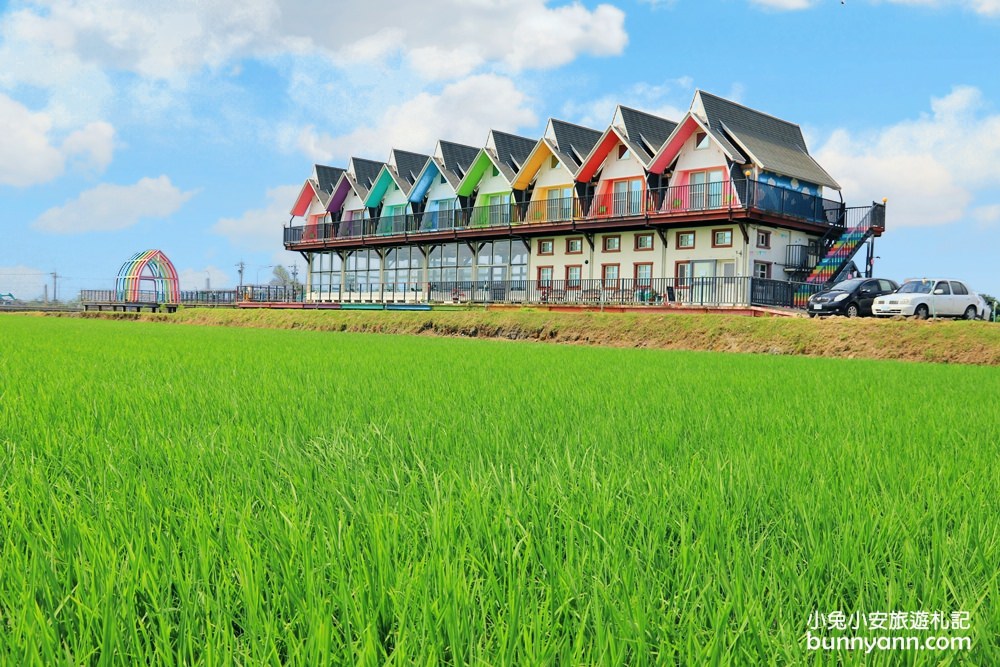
(545,282)
(682,282)
(765,265)
(677,239)
(652,242)
(701,141)
(606,238)
(642,282)
(579,281)
(552,247)
(623,152)
(570,239)
(716,232)
(606,282)
(767,239)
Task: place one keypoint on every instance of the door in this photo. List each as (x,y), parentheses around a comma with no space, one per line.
(942,302)
(702,281)
(866,295)
(714,199)
(628,197)
(728,282)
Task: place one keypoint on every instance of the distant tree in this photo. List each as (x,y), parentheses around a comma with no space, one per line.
(282,277)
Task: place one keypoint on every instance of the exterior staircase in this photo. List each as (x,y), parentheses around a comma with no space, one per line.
(842,243)
(860,224)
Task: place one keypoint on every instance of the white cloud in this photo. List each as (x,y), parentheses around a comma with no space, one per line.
(110,207)
(29,154)
(987,216)
(463,111)
(260,229)
(24,282)
(171,40)
(194,279)
(931,168)
(983,7)
(783,5)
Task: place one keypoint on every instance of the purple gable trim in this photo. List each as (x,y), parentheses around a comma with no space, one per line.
(340,193)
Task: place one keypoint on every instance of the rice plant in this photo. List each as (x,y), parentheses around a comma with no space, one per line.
(184,495)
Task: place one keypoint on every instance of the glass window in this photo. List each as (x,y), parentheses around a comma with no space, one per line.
(700,141)
(943,286)
(643,273)
(683,273)
(609,272)
(612,243)
(573,275)
(763,239)
(574,246)
(761,270)
(722,238)
(643,241)
(545,275)
(554,162)
(958,288)
(623,152)
(685,239)
(518,253)
(545,247)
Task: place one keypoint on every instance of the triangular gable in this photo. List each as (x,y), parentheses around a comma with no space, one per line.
(483,161)
(592,163)
(450,160)
(386,176)
(672,146)
(542,151)
(781,159)
(307,194)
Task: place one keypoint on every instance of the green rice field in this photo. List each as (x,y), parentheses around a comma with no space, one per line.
(183,495)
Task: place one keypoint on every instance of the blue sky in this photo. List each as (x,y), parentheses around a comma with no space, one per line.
(190,126)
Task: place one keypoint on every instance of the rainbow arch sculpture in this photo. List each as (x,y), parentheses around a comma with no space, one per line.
(146,276)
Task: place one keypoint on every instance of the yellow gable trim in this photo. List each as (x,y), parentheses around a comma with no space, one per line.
(531,166)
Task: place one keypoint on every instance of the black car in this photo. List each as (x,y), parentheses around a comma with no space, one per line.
(850,297)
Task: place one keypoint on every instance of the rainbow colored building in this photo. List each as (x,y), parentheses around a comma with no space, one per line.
(723,206)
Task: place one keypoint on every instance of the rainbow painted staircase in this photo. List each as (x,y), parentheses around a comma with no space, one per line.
(842,243)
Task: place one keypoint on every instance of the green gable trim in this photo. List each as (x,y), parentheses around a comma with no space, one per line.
(475,174)
(379,188)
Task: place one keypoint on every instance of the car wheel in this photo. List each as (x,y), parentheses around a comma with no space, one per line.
(852,310)
(921,312)
(970,313)
(812,315)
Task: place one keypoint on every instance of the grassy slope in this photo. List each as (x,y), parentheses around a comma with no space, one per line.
(941,341)
(222,495)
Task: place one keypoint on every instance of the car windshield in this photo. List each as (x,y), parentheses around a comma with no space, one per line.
(847,285)
(917,287)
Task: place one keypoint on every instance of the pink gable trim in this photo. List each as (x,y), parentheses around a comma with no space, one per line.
(598,155)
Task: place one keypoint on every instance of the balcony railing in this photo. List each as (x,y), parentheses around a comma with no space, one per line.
(708,291)
(675,200)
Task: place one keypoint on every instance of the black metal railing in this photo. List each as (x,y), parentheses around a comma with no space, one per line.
(694,291)
(654,203)
(222,297)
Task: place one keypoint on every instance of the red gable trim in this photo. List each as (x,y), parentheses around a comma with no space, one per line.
(598,154)
(306,196)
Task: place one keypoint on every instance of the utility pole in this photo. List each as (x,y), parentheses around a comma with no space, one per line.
(55,294)
(295,273)
(241,266)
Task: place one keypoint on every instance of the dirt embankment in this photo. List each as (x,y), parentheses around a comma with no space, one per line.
(937,341)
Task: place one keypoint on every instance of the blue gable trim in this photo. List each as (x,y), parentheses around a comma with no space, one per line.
(427,177)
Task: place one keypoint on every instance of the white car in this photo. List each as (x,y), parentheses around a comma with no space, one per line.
(930,297)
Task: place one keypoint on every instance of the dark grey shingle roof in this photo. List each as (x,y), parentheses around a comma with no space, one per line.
(328,177)
(511,151)
(646,131)
(777,144)
(408,165)
(457,160)
(573,140)
(365,172)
